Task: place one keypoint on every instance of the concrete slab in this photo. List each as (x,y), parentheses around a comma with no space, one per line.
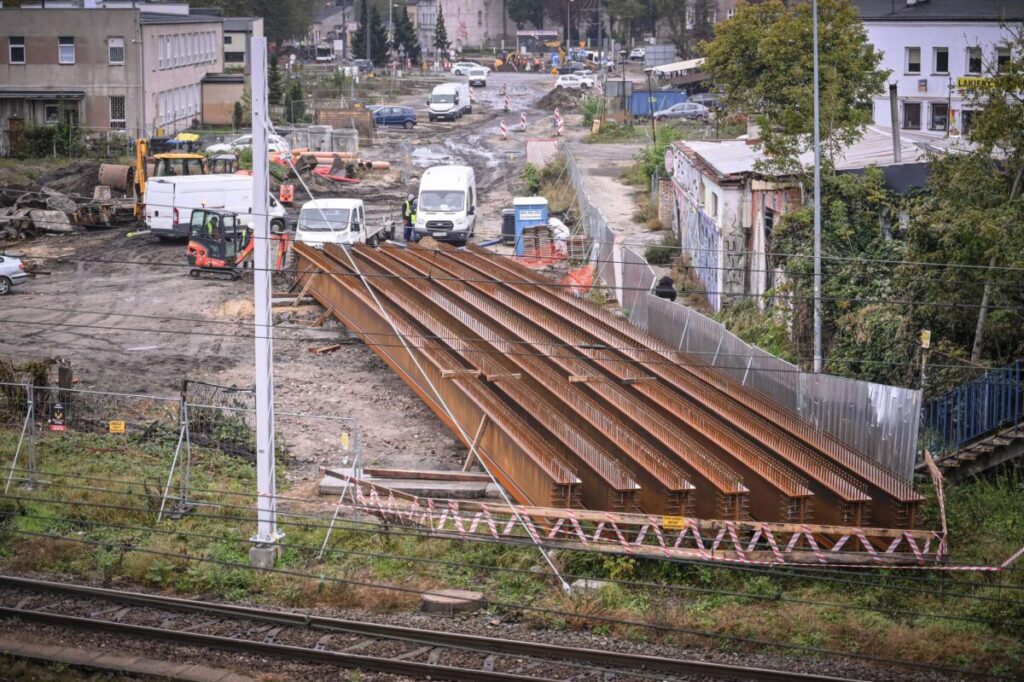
(449,602)
(455,490)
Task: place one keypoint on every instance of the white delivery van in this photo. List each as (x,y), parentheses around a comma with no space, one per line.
(478,77)
(339,221)
(169,202)
(446,208)
(450,101)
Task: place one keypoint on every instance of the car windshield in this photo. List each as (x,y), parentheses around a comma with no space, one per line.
(443,99)
(477,72)
(324,219)
(438,200)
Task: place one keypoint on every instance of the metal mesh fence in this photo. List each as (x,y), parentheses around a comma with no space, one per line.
(880,421)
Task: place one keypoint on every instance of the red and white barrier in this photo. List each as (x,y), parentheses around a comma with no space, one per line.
(504,129)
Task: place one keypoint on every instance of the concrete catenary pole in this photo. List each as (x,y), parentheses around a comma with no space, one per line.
(264,551)
(817,199)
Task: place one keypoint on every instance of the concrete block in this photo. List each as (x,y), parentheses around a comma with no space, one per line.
(263,556)
(589,585)
(449,602)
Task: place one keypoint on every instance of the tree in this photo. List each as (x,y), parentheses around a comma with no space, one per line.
(762,61)
(274,85)
(237,116)
(689,24)
(295,103)
(358,46)
(441,43)
(378,38)
(523,12)
(625,14)
(405,36)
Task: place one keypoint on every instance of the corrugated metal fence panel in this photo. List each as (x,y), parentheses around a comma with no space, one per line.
(880,421)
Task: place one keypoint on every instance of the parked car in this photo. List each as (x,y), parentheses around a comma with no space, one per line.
(688,110)
(395,116)
(364,65)
(462,68)
(12,271)
(637,54)
(572,67)
(708,99)
(478,77)
(275,143)
(588,78)
(572,81)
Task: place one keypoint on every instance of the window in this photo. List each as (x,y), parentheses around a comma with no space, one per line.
(227,40)
(115,50)
(691,18)
(913,60)
(714,16)
(16,49)
(117,119)
(912,115)
(940,60)
(714,206)
(730,13)
(479,18)
(939,116)
(51,112)
(66,50)
(974,60)
(1002,58)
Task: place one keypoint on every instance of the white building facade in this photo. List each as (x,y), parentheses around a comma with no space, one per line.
(937,51)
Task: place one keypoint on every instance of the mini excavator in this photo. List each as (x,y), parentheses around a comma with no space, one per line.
(219,245)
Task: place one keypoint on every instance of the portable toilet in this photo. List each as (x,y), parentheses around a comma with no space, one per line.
(529,212)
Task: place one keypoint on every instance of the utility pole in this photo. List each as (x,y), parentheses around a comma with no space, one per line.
(265,543)
(817,200)
(600,44)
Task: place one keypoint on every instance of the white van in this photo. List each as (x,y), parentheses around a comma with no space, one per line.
(169,202)
(339,221)
(478,78)
(450,101)
(446,208)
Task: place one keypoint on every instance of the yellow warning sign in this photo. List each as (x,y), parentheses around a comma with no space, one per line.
(673,522)
(344,440)
(116,426)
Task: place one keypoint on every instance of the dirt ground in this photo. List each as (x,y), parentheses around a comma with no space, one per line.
(127,317)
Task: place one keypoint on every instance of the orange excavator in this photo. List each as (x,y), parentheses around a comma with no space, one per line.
(219,244)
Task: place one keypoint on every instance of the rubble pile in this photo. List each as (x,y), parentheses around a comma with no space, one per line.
(564,99)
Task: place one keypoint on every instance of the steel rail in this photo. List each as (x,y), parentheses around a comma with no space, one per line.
(781,494)
(549,475)
(824,476)
(607,483)
(880,480)
(664,488)
(550,653)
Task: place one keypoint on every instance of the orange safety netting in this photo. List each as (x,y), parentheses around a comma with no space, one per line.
(580,280)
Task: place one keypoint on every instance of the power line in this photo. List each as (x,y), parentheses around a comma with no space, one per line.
(522,607)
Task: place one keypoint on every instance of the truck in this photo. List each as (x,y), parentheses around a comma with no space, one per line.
(169,202)
(446,208)
(449,101)
(324,53)
(339,221)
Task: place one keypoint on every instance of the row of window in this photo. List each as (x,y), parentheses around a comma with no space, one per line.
(940,60)
(17,54)
(185,49)
(178,103)
(118,119)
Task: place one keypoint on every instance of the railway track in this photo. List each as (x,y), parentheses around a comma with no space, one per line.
(367,646)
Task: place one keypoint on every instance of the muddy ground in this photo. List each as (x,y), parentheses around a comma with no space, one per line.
(125,314)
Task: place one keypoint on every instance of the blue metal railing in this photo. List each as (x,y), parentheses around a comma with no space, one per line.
(993,401)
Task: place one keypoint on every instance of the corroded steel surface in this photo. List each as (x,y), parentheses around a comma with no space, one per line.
(585,407)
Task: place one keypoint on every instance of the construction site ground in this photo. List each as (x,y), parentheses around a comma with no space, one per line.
(126,316)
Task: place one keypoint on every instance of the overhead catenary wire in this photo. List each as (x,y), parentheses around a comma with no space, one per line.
(777,597)
(378,344)
(311,520)
(523,607)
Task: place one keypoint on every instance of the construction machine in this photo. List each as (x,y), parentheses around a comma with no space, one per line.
(163,163)
(219,244)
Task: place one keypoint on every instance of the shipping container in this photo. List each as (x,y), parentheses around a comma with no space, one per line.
(642,103)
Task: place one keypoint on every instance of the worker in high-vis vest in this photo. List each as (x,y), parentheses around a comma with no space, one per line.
(409,217)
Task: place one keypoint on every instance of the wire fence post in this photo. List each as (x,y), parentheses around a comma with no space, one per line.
(186,479)
(355,473)
(182,429)
(27,431)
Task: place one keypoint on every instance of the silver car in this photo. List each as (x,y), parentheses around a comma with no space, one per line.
(688,110)
(12,271)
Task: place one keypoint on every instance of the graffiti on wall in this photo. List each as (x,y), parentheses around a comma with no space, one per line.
(702,242)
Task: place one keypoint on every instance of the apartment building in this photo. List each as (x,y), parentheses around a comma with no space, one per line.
(126,66)
(469,23)
(937,52)
(238,35)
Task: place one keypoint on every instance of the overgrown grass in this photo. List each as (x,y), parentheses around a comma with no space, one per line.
(764,329)
(204,554)
(551,182)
